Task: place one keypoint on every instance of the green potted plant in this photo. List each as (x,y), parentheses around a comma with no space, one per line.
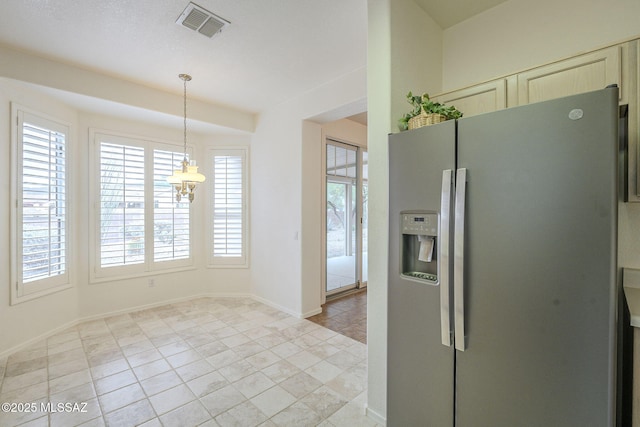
(426,112)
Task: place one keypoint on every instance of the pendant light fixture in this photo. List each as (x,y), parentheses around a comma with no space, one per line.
(185,180)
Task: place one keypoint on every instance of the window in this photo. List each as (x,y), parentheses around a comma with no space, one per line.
(171,230)
(121,205)
(229,207)
(40,222)
(140,226)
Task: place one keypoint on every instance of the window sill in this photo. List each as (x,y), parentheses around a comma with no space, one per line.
(15,299)
(106,279)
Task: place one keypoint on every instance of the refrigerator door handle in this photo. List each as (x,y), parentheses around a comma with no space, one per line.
(445,227)
(458,259)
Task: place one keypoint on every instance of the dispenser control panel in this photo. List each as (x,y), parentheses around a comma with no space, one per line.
(420,224)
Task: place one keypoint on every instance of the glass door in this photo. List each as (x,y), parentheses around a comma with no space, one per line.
(344,218)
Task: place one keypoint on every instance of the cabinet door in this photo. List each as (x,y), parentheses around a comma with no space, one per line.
(482,98)
(584,73)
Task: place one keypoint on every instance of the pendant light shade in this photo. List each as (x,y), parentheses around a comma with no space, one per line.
(184,180)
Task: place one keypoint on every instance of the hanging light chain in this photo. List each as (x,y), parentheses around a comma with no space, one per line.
(185,180)
(185,78)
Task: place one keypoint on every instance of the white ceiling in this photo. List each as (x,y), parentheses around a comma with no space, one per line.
(273,49)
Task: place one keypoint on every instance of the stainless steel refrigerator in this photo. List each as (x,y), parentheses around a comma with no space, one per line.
(502,268)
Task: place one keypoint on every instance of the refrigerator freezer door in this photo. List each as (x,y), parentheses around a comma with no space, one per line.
(420,368)
(540,264)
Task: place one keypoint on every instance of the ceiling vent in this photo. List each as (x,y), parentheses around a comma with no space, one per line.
(201,20)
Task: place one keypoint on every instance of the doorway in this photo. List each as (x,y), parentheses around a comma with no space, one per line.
(345,218)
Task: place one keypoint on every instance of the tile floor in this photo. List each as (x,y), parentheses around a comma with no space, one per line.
(208,361)
(346,315)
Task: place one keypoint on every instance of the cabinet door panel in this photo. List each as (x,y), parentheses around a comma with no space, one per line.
(483,98)
(584,73)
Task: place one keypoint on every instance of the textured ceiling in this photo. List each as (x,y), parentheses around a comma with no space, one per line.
(272,51)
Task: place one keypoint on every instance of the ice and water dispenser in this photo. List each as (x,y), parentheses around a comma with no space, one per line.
(419,246)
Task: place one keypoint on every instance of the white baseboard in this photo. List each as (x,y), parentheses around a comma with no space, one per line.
(375,416)
(286,310)
(38,338)
(276,306)
(312,312)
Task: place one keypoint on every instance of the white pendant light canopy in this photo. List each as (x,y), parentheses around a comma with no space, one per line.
(184,180)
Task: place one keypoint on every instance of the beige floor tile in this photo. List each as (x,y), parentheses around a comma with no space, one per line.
(169,400)
(69,381)
(110,368)
(23,380)
(324,401)
(152,369)
(245,414)
(207,384)
(222,400)
(65,419)
(160,383)
(184,358)
(67,368)
(273,400)
(194,370)
(67,356)
(297,414)
(303,360)
(114,382)
(214,362)
(78,394)
(323,371)
(191,414)
(237,370)
(131,415)
(121,397)
(280,371)
(253,384)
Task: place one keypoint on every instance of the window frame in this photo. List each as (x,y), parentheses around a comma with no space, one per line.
(149,266)
(243,260)
(24,291)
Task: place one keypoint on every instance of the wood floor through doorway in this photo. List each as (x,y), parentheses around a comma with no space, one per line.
(346,315)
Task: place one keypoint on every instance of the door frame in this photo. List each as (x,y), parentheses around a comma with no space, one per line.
(359,284)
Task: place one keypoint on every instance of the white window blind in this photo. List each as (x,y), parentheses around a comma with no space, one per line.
(40,222)
(122,225)
(139,228)
(43,202)
(229,207)
(171,231)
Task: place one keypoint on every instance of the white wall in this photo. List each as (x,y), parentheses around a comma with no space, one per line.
(416,55)
(519,34)
(514,35)
(285,170)
(398,31)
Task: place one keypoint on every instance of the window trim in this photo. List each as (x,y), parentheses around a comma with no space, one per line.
(230,262)
(21,291)
(98,274)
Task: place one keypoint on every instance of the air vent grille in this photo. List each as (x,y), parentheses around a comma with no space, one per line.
(201,20)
